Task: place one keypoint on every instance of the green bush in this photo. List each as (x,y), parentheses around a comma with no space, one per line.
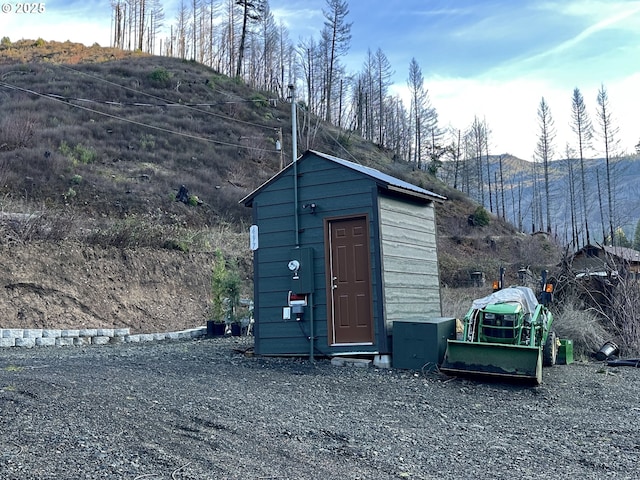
(481,217)
(259,100)
(147,141)
(160,77)
(225,289)
(78,154)
(71,193)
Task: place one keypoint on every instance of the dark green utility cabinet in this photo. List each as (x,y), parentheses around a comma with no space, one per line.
(420,344)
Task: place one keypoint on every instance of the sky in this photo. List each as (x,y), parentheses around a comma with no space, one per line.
(494,59)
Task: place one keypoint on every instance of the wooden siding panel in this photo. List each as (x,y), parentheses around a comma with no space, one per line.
(404,236)
(410,264)
(397,218)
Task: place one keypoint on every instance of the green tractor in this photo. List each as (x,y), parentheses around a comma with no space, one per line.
(506,335)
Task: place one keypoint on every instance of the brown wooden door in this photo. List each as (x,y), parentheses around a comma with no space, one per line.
(349,282)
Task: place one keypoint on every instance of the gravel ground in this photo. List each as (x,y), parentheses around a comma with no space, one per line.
(204,410)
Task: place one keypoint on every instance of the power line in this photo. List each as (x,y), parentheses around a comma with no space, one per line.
(154,127)
(168,102)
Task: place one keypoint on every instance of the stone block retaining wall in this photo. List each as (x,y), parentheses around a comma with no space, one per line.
(29,338)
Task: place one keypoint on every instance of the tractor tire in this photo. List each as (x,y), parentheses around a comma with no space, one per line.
(550,350)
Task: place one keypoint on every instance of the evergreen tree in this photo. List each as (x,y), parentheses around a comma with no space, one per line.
(620,239)
(636,237)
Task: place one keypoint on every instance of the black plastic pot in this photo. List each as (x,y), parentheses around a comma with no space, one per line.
(215,329)
(607,350)
(236,329)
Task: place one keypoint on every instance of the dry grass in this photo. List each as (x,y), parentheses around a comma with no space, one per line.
(457,301)
(582,326)
(106,181)
(42,141)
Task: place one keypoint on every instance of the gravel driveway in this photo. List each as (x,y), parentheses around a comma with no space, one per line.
(202,409)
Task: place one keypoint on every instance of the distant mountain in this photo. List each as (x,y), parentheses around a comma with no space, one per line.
(524,195)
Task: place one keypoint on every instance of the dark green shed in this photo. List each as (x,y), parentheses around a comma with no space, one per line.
(340,252)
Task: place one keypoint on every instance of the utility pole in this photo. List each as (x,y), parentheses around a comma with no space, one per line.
(294,147)
(294,121)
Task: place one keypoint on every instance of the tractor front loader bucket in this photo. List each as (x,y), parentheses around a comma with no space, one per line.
(493,360)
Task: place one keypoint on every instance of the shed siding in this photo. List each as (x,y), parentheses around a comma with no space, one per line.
(409,260)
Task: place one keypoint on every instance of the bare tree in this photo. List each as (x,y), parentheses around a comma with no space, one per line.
(486,149)
(398,128)
(310,61)
(581,126)
(195,8)
(132,22)
(572,197)
(601,209)
(118,22)
(142,21)
(252,11)
(424,119)
(416,89)
(336,35)
(383,73)
(181,30)
(536,206)
(544,150)
(286,65)
(156,19)
(500,160)
(608,133)
(477,139)
(269,55)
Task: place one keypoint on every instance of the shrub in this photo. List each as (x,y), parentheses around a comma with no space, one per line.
(147,141)
(225,289)
(17,131)
(160,77)
(78,154)
(581,326)
(71,193)
(259,100)
(480,217)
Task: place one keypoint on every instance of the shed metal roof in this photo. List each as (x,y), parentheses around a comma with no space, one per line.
(622,253)
(382,179)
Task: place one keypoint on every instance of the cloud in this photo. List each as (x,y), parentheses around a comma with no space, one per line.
(81,22)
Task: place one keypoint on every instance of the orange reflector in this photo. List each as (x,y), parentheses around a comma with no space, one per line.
(496,285)
(548,288)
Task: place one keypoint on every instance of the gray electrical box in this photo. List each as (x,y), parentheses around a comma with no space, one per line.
(420,344)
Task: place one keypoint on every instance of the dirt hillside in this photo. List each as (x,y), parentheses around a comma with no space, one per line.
(68,285)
